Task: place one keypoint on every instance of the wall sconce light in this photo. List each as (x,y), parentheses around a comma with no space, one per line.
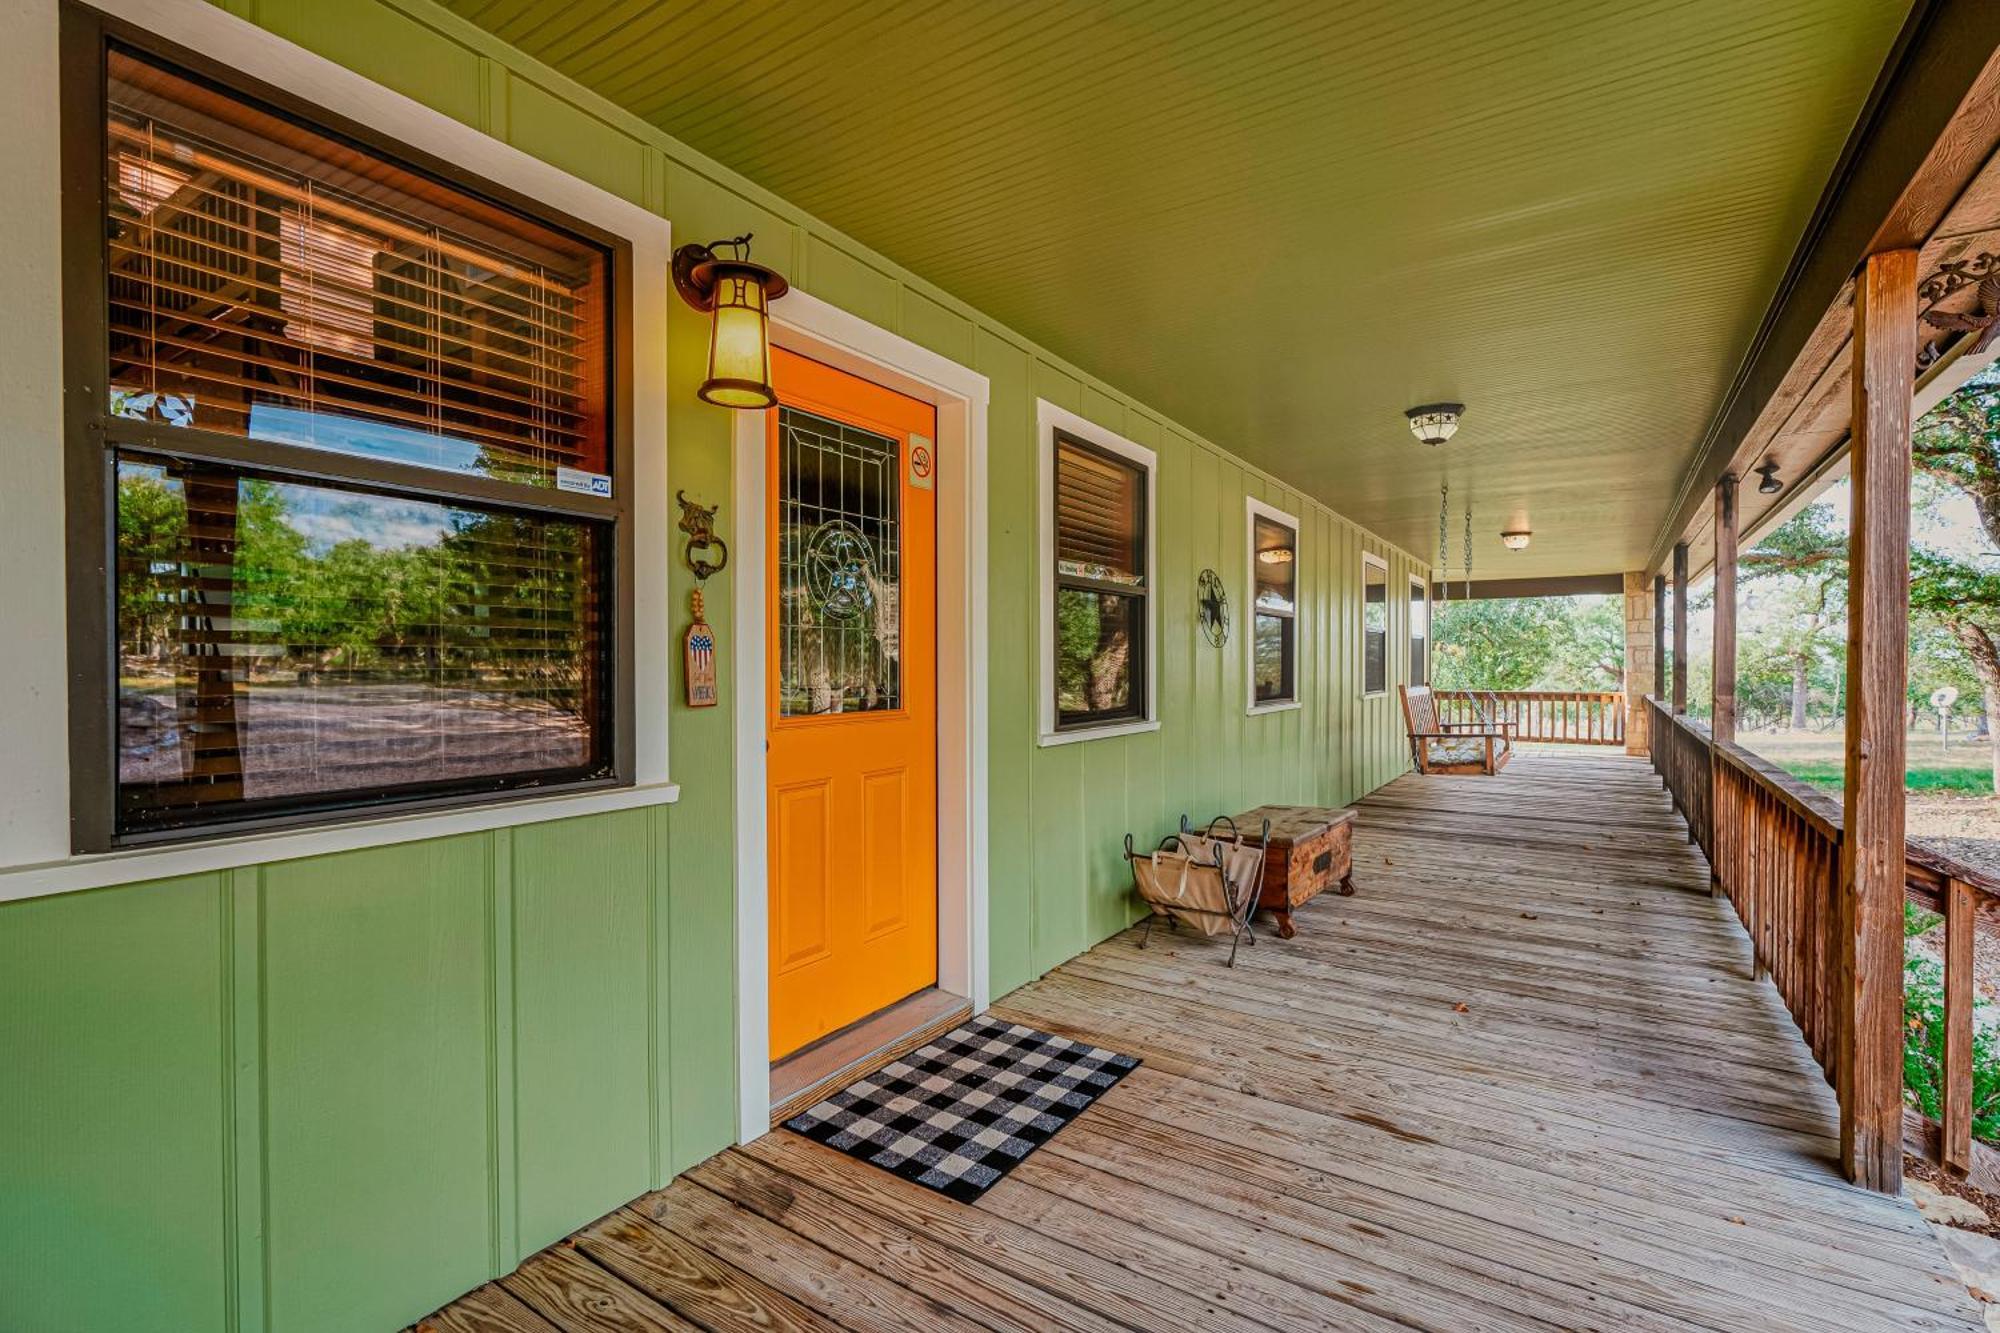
(719,280)
(1434,423)
(1770,485)
(1515,539)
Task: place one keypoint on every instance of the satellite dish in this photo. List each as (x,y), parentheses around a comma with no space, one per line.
(1943,697)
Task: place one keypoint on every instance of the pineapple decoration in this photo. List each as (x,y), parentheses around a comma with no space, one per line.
(698,648)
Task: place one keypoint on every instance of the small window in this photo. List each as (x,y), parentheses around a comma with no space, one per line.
(1374,624)
(1273,646)
(1098,603)
(1420,631)
(352,534)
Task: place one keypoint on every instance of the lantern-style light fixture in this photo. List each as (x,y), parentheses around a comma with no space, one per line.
(1515,539)
(1770,485)
(1434,423)
(719,280)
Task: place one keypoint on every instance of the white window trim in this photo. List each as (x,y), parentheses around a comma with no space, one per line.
(1422,585)
(35,855)
(1254,509)
(1050,418)
(1370,558)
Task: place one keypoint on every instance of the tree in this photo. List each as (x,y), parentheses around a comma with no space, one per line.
(1957,445)
(1494,644)
(1590,646)
(1809,554)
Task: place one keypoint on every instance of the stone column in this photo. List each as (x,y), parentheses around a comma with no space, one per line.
(1639,652)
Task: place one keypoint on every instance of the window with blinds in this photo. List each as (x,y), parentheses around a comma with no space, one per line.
(361,541)
(1100,585)
(270,282)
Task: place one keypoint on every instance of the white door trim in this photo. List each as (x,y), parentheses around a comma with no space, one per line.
(811,327)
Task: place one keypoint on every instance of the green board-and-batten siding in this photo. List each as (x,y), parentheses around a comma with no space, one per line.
(333,1093)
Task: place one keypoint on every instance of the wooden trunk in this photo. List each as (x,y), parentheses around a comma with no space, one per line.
(1311,849)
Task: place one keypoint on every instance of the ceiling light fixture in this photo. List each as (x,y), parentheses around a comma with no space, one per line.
(1770,485)
(719,280)
(1277,555)
(1515,539)
(1434,423)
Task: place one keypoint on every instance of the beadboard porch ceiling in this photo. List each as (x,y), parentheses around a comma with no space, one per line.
(1283,223)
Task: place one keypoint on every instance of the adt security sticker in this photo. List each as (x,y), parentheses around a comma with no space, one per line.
(578,482)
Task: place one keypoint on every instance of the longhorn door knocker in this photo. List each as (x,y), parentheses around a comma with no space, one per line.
(698,522)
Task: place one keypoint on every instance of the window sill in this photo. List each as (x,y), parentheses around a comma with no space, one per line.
(1275,706)
(1110,729)
(96,871)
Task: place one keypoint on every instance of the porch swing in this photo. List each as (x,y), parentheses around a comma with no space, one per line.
(1482,746)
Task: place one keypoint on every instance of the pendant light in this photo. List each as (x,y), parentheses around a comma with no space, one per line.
(719,280)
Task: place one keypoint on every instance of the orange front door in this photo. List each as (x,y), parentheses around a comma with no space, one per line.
(851,699)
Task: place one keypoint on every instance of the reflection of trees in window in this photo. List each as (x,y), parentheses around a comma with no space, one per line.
(1100,577)
(277,637)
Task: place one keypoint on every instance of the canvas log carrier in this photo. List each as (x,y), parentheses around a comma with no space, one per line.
(1209,881)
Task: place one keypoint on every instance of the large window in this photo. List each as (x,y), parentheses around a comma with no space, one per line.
(347,470)
(1374,624)
(1098,601)
(1420,631)
(1274,607)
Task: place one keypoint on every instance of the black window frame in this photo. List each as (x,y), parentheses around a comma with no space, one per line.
(93,440)
(1420,657)
(1369,560)
(1289,632)
(1138,694)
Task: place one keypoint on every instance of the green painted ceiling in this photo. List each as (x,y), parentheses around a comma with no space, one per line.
(1283,223)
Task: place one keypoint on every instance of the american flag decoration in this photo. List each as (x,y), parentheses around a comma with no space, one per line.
(700,657)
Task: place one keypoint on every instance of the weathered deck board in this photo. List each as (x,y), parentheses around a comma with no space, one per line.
(1522,1081)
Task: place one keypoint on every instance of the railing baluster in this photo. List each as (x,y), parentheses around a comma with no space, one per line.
(1955,1144)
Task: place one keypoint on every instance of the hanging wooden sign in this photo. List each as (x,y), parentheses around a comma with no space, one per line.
(699,656)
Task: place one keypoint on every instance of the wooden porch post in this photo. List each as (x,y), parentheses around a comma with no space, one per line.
(1660,636)
(1680,628)
(1722,720)
(1868,1050)
(1640,659)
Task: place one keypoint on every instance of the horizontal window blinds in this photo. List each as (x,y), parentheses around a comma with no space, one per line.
(1100,507)
(272,282)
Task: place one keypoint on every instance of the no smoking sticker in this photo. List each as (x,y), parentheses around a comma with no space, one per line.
(922,464)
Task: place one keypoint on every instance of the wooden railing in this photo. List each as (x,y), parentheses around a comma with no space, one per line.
(1579,717)
(1773,846)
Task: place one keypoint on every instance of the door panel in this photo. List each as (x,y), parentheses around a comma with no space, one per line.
(851,700)
(800,908)
(885,821)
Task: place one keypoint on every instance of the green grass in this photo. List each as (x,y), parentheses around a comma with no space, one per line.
(1953,780)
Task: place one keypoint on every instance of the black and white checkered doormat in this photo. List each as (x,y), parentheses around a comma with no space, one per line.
(962,1112)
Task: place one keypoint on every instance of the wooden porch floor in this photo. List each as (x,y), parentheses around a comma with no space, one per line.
(1521,1081)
